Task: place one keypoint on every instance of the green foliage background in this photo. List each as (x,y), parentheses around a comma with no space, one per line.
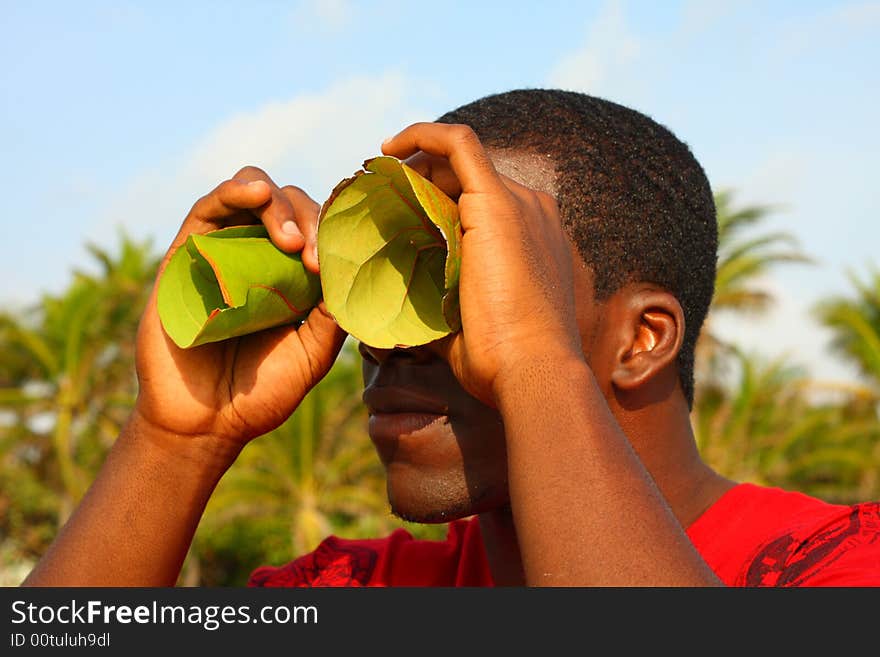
(67,384)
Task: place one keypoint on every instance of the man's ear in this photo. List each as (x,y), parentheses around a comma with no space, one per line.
(650,333)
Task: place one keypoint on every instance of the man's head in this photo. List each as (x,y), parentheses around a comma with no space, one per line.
(633,198)
(640,213)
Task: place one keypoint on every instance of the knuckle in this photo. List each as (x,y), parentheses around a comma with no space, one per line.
(283,210)
(251,172)
(203,202)
(292,189)
(298,196)
(463,134)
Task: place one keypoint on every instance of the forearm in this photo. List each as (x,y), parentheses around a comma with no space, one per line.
(586,510)
(136,522)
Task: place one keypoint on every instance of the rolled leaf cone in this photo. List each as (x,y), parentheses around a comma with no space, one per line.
(389,244)
(232,282)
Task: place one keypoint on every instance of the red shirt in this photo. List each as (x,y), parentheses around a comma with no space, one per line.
(752,536)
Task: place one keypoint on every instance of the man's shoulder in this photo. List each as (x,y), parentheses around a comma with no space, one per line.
(397,559)
(766,536)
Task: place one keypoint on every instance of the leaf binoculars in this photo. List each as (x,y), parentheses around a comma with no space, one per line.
(389,244)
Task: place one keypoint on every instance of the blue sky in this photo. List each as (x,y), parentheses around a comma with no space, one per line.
(121,114)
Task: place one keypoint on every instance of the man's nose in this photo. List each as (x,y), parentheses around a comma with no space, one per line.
(418,355)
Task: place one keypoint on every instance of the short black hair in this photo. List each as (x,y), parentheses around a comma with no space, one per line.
(631,194)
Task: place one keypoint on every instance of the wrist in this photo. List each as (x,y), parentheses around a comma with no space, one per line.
(200,455)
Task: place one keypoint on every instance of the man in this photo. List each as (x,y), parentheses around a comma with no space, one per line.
(552,431)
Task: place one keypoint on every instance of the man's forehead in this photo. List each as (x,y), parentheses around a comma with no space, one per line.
(534,170)
(538,172)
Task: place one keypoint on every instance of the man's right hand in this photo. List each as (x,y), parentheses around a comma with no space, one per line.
(232,391)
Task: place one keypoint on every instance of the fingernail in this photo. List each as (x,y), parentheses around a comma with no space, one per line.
(256,183)
(289,228)
(315,251)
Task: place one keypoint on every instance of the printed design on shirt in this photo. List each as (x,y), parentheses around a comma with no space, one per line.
(791,560)
(332,564)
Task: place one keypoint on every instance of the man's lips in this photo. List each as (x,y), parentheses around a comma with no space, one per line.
(396,412)
(384,400)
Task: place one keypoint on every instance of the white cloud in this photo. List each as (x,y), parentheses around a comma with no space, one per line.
(311,140)
(609,48)
(316,134)
(325,15)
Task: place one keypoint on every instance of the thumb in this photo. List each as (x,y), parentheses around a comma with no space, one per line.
(322,338)
(301,354)
(446,348)
(453,350)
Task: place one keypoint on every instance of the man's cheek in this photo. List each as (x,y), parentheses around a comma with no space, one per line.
(368,371)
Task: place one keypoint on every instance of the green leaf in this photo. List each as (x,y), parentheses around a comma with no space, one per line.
(232,282)
(389,244)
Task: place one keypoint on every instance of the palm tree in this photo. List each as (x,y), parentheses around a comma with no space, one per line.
(856,325)
(774,426)
(67,371)
(743,259)
(766,421)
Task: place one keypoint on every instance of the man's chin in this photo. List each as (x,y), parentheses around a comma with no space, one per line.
(428,500)
(431,514)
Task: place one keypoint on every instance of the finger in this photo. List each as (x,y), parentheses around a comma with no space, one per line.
(451,348)
(322,336)
(305,212)
(551,220)
(306,351)
(229,203)
(550,209)
(438,171)
(277,214)
(227,200)
(544,206)
(458,144)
